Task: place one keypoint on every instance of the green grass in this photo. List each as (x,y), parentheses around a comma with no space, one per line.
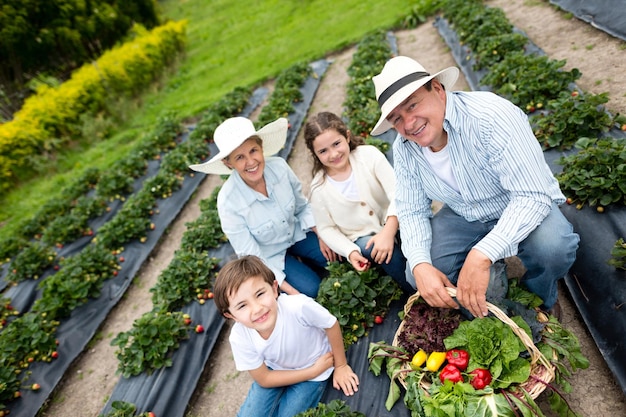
(230,44)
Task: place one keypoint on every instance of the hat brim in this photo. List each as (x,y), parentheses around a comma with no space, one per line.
(447,77)
(274,136)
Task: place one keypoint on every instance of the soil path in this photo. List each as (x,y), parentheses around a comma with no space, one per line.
(88,383)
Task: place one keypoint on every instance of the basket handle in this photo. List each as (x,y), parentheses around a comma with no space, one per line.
(535,354)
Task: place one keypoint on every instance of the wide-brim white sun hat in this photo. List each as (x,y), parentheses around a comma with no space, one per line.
(231,133)
(402,76)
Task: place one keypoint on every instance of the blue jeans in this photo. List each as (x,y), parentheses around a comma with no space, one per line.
(396,268)
(304,274)
(547,253)
(282,401)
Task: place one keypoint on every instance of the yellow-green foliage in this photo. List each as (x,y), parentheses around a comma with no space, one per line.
(54,112)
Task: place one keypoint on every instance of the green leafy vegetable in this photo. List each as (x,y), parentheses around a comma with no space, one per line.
(492,345)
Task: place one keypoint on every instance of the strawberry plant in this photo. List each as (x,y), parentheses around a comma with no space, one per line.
(596,175)
(11,246)
(335,408)
(205,232)
(11,383)
(66,229)
(473,22)
(618,255)
(491,50)
(29,338)
(124,409)
(189,272)
(6,312)
(149,344)
(29,263)
(131,222)
(231,104)
(81,277)
(569,117)
(286,92)
(361,107)
(114,184)
(356,298)
(527,80)
(379,143)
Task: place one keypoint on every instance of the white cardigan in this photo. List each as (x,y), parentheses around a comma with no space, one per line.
(340,221)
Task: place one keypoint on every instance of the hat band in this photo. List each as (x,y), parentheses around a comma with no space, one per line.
(393,88)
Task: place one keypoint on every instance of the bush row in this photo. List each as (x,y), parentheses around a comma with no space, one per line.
(54,113)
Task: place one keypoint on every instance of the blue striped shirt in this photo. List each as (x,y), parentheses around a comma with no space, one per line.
(500,169)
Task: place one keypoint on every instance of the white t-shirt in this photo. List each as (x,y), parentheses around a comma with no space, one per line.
(297,341)
(347,187)
(440,163)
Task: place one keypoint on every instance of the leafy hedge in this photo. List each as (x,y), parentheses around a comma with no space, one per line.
(54,113)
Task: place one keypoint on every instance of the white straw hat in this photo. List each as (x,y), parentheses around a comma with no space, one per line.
(402,76)
(231,133)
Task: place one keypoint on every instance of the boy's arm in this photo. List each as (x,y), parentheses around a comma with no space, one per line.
(343,376)
(278,378)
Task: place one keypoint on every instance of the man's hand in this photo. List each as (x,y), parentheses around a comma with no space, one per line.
(473,282)
(432,283)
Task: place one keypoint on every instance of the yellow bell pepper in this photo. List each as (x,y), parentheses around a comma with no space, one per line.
(418,359)
(435,360)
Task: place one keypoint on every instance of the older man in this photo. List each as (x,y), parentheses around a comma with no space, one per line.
(476,153)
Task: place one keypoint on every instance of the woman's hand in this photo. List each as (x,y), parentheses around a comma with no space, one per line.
(328,253)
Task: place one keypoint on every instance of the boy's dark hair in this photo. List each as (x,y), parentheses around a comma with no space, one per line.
(235,273)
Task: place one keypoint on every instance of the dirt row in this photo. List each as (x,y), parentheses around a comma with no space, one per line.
(91,379)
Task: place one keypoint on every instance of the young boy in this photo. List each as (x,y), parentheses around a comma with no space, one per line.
(289,344)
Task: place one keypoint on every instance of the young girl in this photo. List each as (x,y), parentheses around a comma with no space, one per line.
(352,196)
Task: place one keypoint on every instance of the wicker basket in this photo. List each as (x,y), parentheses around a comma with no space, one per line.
(541,370)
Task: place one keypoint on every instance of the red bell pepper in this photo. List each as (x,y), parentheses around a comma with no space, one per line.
(480,378)
(452,373)
(458,358)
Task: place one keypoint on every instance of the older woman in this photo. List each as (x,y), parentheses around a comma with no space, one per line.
(261,206)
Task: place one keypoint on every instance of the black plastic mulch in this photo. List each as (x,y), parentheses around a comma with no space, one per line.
(167,391)
(606,15)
